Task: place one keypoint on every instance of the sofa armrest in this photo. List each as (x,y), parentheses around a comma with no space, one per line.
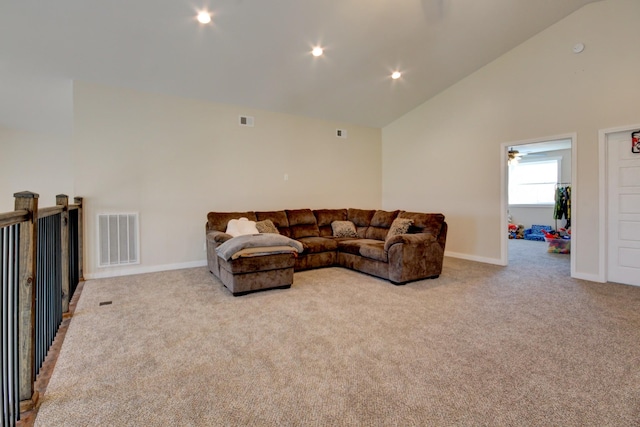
(409,239)
(214,239)
(414,257)
(218,236)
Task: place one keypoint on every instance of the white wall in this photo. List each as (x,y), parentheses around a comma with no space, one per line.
(542,215)
(174,159)
(37,162)
(446,154)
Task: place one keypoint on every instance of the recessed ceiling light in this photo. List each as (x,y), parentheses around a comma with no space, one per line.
(317,51)
(396,75)
(204,17)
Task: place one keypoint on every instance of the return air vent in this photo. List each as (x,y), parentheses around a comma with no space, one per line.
(246,121)
(118,239)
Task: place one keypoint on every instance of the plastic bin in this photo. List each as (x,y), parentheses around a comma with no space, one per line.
(559,246)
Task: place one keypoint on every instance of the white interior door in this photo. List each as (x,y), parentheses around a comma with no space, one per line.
(623,215)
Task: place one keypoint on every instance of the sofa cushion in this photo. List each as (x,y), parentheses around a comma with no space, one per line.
(368,248)
(302,223)
(266,226)
(314,245)
(344,229)
(536,232)
(219,220)
(380,224)
(279,219)
(361,218)
(537,229)
(326,216)
(257,263)
(424,222)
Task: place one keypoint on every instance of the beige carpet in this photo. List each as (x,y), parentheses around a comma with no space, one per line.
(480,346)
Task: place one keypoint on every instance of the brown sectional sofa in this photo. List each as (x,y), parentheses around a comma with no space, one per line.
(416,255)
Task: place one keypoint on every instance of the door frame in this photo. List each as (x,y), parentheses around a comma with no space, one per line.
(504,198)
(603,171)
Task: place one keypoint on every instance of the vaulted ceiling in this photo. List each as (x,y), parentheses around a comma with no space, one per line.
(257,53)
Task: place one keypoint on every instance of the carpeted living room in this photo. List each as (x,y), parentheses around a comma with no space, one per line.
(153,116)
(480,345)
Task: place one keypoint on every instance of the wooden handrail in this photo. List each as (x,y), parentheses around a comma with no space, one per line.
(45,212)
(15,217)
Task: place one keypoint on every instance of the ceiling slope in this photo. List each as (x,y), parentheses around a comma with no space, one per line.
(256,53)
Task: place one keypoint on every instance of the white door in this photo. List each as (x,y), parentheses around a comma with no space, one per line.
(623,216)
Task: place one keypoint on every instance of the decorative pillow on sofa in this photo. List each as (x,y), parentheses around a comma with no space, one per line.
(239,227)
(399,226)
(267,226)
(344,229)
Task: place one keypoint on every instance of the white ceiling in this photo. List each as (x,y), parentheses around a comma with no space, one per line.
(256,53)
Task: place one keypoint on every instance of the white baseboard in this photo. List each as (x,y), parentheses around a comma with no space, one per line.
(583,276)
(141,270)
(495,261)
(202,263)
(589,277)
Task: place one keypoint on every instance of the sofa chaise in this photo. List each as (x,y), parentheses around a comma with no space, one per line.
(412,251)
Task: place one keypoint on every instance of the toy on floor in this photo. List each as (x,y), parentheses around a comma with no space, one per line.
(559,241)
(560,234)
(559,246)
(536,232)
(520,232)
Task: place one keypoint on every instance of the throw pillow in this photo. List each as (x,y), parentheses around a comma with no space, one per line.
(344,229)
(399,226)
(267,226)
(239,227)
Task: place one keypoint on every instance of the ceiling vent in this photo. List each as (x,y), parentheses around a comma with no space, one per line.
(246,121)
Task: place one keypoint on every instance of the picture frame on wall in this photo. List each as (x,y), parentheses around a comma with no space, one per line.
(635,142)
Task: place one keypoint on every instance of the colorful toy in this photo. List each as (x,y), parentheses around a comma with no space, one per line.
(559,246)
(559,241)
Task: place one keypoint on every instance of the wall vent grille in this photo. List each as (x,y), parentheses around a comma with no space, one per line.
(245,121)
(118,239)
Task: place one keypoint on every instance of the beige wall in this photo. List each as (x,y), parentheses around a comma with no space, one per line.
(37,162)
(173,160)
(446,154)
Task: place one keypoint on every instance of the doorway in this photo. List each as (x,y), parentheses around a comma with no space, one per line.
(620,168)
(528,200)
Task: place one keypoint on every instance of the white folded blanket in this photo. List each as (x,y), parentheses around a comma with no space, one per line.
(231,246)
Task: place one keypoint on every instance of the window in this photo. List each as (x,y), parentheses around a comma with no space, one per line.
(533,183)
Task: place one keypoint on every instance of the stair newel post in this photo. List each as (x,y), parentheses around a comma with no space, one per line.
(27,297)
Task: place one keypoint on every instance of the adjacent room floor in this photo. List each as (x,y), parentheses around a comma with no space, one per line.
(537,253)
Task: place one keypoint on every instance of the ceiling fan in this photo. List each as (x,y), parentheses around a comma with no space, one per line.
(514,155)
